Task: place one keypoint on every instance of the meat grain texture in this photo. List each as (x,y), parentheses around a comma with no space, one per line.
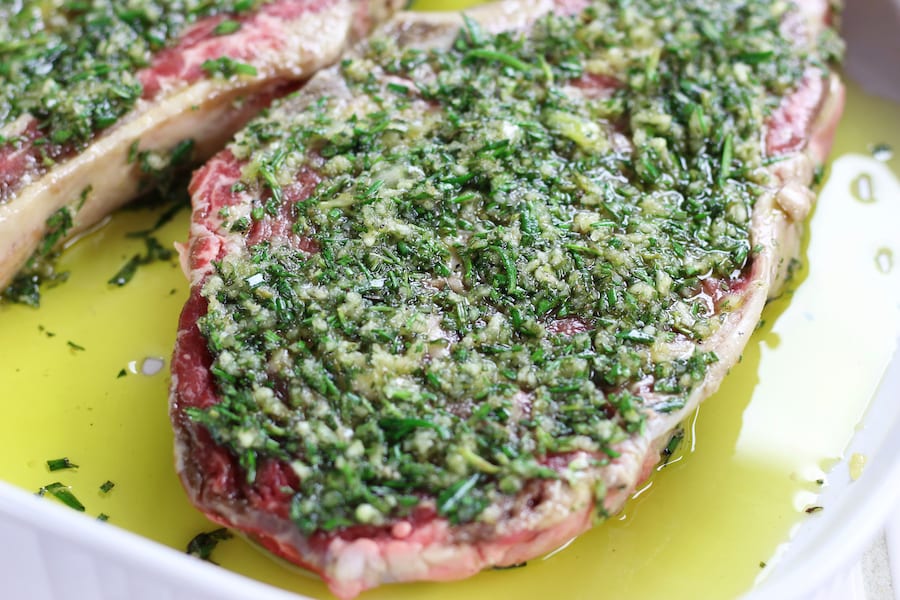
(547,512)
(280,43)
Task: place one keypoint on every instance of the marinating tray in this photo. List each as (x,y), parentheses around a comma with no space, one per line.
(784,476)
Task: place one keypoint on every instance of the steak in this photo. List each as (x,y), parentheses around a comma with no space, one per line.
(450,301)
(90,87)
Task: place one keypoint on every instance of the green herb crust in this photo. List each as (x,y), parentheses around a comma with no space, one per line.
(515,244)
(72,65)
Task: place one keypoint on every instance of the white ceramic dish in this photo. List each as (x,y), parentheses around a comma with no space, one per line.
(48,552)
(854,512)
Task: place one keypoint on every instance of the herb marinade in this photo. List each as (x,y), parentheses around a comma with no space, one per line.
(504,253)
(72,64)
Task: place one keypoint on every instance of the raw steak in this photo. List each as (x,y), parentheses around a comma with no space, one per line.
(203,78)
(450,301)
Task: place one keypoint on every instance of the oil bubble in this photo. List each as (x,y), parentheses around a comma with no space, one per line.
(862,189)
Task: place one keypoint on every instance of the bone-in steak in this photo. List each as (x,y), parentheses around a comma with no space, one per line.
(88,87)
(450,300)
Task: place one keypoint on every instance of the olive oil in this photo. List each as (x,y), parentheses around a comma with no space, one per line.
(701,527)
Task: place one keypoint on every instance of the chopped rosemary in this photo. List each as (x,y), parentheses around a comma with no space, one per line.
(226,27)
(63,493)
(58,464)
(154,252)
(227,67)
(203,544)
